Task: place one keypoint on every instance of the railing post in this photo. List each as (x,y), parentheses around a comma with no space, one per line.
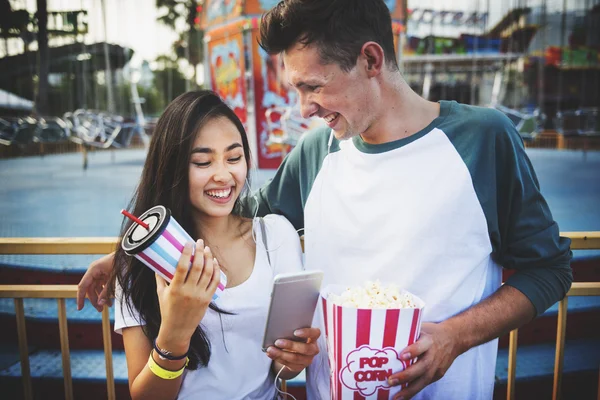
(283,388)
(23,350)
(106,339)
(580,241)
(84,152)
(512,364)
(560,347)
(64,348)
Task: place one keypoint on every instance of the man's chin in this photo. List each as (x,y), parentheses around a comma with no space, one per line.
(343,134)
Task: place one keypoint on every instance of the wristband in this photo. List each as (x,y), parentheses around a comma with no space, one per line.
(167,355)
(162,372)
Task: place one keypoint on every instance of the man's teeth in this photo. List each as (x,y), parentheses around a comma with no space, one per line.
(330,117)
(219,193)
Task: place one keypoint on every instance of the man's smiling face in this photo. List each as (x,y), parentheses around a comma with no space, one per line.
(343,99)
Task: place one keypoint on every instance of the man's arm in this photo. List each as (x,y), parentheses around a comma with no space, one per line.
(94,283)
(503,311)
(287,192)
(440,344)
(524,238)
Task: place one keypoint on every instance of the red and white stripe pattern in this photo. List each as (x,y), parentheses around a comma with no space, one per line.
(163,255)
(364,345)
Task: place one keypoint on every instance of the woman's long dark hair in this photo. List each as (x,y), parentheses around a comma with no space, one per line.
(165,181)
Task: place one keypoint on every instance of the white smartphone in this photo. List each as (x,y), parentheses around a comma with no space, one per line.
(293,302)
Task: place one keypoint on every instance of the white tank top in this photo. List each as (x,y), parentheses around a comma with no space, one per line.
(238,368)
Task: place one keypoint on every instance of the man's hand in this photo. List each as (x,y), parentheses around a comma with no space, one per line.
(436,350)
(94,283)
(295,355)
(440,344)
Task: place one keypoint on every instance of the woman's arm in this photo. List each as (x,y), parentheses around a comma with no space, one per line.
(183,304)
(143,383)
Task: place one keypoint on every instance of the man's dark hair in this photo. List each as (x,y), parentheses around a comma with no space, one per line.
(339,28)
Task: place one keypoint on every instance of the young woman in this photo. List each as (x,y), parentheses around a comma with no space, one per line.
(177,343)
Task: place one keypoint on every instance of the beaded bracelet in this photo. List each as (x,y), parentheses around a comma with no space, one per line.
(167,355)
(162,372)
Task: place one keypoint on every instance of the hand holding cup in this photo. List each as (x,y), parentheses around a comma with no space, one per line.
(184,302)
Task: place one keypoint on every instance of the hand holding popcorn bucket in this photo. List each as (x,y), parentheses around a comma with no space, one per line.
(366,329)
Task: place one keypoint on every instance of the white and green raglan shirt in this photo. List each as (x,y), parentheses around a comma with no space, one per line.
(438,213)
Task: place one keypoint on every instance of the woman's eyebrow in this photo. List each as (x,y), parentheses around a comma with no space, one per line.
(208,150)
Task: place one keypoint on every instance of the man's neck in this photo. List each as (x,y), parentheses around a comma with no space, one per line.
(403,113)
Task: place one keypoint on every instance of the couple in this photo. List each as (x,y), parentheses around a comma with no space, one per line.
(435,197)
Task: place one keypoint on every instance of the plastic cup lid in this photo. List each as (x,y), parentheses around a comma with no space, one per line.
(137,238)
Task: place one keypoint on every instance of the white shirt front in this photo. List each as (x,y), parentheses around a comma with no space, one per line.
(238,368)
(408,216)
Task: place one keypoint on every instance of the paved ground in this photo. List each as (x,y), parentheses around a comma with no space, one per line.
(54,196)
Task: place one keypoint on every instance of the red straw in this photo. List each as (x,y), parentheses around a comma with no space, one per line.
(135,219)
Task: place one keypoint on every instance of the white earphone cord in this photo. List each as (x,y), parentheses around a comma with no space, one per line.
(277,388)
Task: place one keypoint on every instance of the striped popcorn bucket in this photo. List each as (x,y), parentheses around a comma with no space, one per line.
(160,246)
(364,345)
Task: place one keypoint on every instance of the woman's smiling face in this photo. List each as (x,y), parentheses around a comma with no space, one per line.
(218,168)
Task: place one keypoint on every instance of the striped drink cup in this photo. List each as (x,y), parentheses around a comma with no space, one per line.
(159,243)
(364,345)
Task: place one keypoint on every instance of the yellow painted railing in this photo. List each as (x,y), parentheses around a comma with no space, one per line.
(60,293)
(580,241)
(577,289)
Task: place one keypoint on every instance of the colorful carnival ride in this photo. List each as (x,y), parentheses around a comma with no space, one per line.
(537,63)
(251,81)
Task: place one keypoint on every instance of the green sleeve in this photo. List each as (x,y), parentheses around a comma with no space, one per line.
(287,192)
(523,234)
(531,241)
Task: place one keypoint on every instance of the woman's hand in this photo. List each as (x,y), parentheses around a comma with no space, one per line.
(295,356)
(183,303)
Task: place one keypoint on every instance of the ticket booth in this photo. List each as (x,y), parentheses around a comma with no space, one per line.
(251,81)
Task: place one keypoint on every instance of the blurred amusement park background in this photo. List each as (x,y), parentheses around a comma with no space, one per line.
(82,83)
(78,74)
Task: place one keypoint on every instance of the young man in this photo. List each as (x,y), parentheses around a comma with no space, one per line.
(435,197)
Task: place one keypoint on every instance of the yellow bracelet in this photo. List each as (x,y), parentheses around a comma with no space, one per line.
(165,373)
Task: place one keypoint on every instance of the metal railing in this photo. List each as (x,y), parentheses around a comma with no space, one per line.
(580,241)
(60,293)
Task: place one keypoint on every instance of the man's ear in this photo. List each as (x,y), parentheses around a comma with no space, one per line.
(373,56)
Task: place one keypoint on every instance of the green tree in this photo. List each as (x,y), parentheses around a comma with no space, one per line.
(153,101)
(189,46)
(168,78)
(15,24)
